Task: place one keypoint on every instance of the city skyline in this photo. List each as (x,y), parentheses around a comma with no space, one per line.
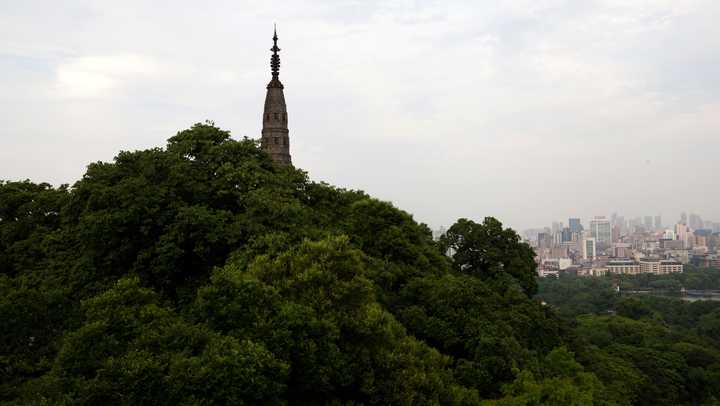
(667,222)
(618,246)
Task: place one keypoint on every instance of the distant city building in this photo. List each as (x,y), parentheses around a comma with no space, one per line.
(648,223)
(615,233)
(660,266)
(715,227)
(592,271)
(706,261)
(566,234)
(545,240)
(654,266)
(671,244)
(622,250)
(669,235)
(681,255)
(589,249)
(682,233)
(556,227)
(702,232)
(575,225)
(545,272)
(600,230)
(623,267)
(532,234)
(650,266)
(615,246)
(552,266)
(439,233)
(559,252)
(620,223)
(696,222)
(650,245)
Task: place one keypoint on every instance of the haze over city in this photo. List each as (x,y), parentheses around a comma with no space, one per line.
(528,111)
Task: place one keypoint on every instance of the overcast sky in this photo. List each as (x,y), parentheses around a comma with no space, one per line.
(527,110)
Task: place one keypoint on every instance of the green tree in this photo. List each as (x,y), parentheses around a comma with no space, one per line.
(131,349)
(563,382)
(488,250)
(488,332)
(202,273)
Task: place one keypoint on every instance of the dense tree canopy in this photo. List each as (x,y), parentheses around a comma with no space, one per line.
(201,273)
(647,350)
(490,251)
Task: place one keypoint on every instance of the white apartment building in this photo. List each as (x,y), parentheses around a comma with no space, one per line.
(589,249)
(601,231)
(623,267)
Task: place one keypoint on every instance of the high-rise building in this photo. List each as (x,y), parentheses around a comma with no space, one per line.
(670,235)
(701,241)
(601,231)
(682,233)
(648,223)
(566,234)
(589,248)
(658,223)
(545,240)
(439,233)
(556,227)
(622,250)
(715,227)
(621,223)
(275,134)
(695,222)
(575,225)
(683,218)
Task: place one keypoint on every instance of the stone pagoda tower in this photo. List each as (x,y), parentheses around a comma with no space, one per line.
(275,135)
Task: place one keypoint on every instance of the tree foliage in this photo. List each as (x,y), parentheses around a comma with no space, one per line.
(646,350)
(201,273)
(490,251)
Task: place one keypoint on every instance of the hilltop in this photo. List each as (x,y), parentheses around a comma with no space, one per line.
(202,273)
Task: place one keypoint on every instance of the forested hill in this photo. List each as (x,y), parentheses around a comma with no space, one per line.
(200,273)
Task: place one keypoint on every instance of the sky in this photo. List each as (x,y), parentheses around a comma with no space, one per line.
(528,110)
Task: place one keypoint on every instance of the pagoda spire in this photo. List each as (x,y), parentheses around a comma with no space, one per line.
(275,63)
(275,134)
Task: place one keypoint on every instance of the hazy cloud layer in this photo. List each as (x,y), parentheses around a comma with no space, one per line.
(526,110)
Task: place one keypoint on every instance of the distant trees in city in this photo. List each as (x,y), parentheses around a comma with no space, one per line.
(647,349)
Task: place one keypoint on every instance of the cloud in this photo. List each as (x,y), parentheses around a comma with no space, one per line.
(94,76)
(527,109)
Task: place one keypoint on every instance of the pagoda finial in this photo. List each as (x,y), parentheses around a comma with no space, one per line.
(275,134)
(275,59)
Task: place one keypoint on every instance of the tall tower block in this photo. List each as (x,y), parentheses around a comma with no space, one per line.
(275,134)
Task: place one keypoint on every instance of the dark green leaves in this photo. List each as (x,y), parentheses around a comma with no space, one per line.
(488,251)
(201,273)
